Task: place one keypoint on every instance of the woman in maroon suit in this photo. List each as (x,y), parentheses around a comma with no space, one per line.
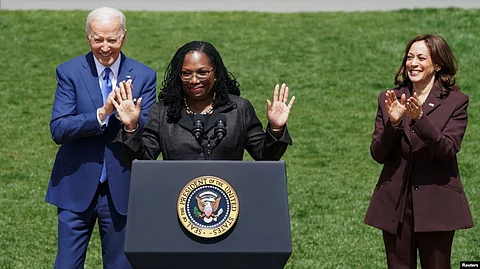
(419,201)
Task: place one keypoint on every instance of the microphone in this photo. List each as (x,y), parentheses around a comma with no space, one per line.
(220,130)
(197,130)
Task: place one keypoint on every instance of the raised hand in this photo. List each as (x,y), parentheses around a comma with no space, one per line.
(414,107)
(127,110)
(278,110)
(395,108)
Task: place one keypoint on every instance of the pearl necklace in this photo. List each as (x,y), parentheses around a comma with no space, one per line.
(190,112)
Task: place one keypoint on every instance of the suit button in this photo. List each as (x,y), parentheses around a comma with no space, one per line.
(101,162)
(387,143)
(415,187)
(427,141)
(202,155)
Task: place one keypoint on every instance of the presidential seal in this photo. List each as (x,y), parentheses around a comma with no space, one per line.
(208,206)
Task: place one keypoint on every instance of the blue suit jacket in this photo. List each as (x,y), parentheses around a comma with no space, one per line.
(84,144)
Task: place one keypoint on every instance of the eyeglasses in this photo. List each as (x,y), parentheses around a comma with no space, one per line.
(201,75)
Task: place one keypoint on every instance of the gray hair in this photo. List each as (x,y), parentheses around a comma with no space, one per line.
(106,15)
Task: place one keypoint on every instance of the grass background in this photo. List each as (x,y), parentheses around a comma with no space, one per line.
(335,63)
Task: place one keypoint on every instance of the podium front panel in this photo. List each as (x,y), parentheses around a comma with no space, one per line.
(261,237)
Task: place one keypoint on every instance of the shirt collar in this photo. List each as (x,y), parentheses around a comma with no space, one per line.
(114,67)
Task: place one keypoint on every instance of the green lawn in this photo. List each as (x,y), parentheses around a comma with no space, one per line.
(335,63)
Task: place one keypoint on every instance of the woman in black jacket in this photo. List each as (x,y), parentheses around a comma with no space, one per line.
(200,114)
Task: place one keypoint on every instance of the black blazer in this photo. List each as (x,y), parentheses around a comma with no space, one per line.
(176,142)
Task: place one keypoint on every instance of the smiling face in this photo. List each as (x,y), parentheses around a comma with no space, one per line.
(419,65)
(197,66)
(106,40)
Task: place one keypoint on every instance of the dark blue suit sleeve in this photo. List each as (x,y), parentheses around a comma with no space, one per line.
(68,121)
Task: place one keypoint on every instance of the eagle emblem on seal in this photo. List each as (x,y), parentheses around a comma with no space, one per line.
(207,206)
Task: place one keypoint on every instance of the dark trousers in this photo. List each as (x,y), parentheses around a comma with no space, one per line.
(434,248)
(75,230)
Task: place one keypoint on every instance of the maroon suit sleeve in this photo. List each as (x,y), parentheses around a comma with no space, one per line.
(444,144)
(385,136)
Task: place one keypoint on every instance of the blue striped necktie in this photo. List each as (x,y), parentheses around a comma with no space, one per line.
(106,89)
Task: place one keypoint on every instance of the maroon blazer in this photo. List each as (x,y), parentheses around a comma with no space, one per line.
(421,155)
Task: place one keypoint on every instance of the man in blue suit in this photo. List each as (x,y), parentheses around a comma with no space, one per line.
(89,180)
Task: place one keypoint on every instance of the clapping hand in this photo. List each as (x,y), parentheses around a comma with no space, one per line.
(127,110)
(278,110)
(414,107)
(395,108)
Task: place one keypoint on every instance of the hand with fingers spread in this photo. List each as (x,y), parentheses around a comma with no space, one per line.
(395,108)
(414,107)
(127,110)
(278,110)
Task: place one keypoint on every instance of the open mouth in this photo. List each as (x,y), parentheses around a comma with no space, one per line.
(414,72)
